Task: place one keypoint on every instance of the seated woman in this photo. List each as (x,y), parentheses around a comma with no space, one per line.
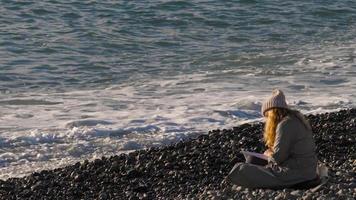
(291,150)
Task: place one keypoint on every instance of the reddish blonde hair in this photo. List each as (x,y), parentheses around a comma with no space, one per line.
(274,117)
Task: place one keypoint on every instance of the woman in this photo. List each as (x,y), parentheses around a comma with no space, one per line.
(291,150)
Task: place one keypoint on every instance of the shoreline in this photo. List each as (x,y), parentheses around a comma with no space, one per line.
(195,168)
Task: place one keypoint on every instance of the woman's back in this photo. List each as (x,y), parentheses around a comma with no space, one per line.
(302,147)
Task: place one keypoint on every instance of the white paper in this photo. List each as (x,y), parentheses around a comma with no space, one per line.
(258,155)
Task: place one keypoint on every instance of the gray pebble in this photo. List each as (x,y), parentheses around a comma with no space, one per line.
(321,198)
(279,196)
(296,193)
(307,197)
(340,192)
(238,188)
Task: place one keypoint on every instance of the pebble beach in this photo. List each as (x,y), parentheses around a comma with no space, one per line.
(195,168)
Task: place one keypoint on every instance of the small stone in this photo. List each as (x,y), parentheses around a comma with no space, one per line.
(237,196)
(307,197)
(340,192)
(238,188)
(352,185)
(209,192)
(36,186)
(103,196)
(115,164)
(133,173)
(78,178)
(296,193)
(279,196)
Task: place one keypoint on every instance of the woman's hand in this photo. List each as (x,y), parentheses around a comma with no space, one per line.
(268,152)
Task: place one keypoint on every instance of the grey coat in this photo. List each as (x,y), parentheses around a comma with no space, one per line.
(293,160)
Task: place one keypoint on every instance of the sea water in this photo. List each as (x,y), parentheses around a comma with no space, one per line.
(85,79)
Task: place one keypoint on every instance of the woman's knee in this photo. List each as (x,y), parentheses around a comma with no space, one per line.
(235,176)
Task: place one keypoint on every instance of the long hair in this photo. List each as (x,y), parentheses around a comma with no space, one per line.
(274,117)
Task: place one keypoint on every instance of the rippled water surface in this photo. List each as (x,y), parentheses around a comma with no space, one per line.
(83,79)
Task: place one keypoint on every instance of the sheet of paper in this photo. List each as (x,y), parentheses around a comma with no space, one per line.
(258,155)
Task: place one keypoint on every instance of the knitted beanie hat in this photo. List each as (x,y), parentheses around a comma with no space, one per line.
(277,100)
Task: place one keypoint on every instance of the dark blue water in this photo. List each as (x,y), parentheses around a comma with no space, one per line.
(63,45)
